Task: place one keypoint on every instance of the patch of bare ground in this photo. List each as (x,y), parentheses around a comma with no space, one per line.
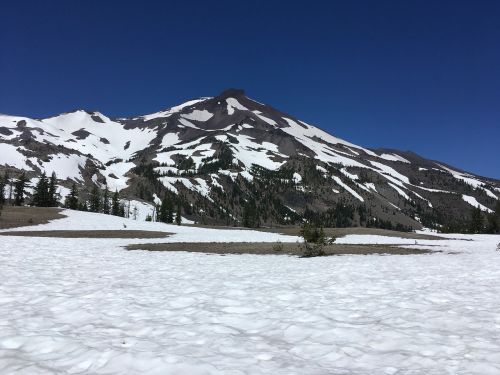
(341,232)
(271,248)
(136,234)
(15,217)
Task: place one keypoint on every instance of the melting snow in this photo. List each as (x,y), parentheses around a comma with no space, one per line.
(233,104)
(198,115)
(394,157)
(348,188)
(473,202)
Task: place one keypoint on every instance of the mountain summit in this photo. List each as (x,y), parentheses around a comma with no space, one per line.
(231,160)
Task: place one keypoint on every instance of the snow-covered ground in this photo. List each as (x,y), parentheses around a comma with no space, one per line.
(73,306)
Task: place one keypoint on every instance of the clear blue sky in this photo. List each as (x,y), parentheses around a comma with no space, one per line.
(412,75)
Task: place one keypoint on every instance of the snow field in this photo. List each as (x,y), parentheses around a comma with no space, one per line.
(73,306)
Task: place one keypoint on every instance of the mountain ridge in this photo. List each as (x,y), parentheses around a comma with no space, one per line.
(217,154)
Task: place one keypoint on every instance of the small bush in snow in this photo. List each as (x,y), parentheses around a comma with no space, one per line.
(314,240)
(278,247)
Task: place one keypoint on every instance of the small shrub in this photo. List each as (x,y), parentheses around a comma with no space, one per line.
(278,247)
(314,240)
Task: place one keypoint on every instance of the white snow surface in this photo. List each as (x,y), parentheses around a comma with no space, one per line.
(69,306)
(172,110)
(348,188)
(394,157)
(473,202)
(12,157)
(233,104)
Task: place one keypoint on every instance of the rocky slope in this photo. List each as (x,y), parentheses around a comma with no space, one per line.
(232,160)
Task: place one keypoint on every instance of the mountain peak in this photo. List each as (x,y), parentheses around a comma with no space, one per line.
(231,93)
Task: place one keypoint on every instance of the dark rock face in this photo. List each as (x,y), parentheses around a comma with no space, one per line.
(5,131)
(81,134)
(232,160)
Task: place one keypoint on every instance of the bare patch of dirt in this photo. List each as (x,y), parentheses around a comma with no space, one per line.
(341,232)
(138,234)
(15,217)
(269,248)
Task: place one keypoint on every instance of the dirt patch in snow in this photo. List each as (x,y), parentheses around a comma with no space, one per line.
(341,232)
(270,248)
(15,217)
(139,234)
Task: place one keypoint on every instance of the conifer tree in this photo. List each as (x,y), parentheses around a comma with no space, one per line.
(170,211)
(105,201)
(52,195)
(83,206)
(72,199)
(41,192)
(494,220)
(166,210)
(476,221)
(3,184)
(122,210)
(95,199)
(178,218)
(115,204)
(19,187)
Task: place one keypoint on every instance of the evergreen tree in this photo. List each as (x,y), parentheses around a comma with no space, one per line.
(494,220)
(3,184)
(166,210)
(105,201)
(72,199)
(2,193)
(83,206)
(476,221)
(250,216)
(19,187)
(95,199)
(178,217)
(122,210)
(41,192)
(115,204)
(52,195)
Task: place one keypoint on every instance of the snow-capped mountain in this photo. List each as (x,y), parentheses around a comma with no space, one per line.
(230,159)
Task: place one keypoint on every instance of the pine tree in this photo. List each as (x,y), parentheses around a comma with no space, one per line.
(170,211)
(105,201)
(95,199)
(122,210)
(19,187)
(52,195)
(3,183)
(494,220)
(166,210)
(178,217)
(41,192)
(115,204)
(72,199)
(476,221)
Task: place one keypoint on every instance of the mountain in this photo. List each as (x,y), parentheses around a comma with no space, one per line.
(232,160)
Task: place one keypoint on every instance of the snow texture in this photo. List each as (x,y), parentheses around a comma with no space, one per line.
(69,306)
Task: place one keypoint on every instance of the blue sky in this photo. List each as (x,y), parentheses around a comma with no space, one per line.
(411,75)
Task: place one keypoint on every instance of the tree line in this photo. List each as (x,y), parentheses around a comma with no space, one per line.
(477,222)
